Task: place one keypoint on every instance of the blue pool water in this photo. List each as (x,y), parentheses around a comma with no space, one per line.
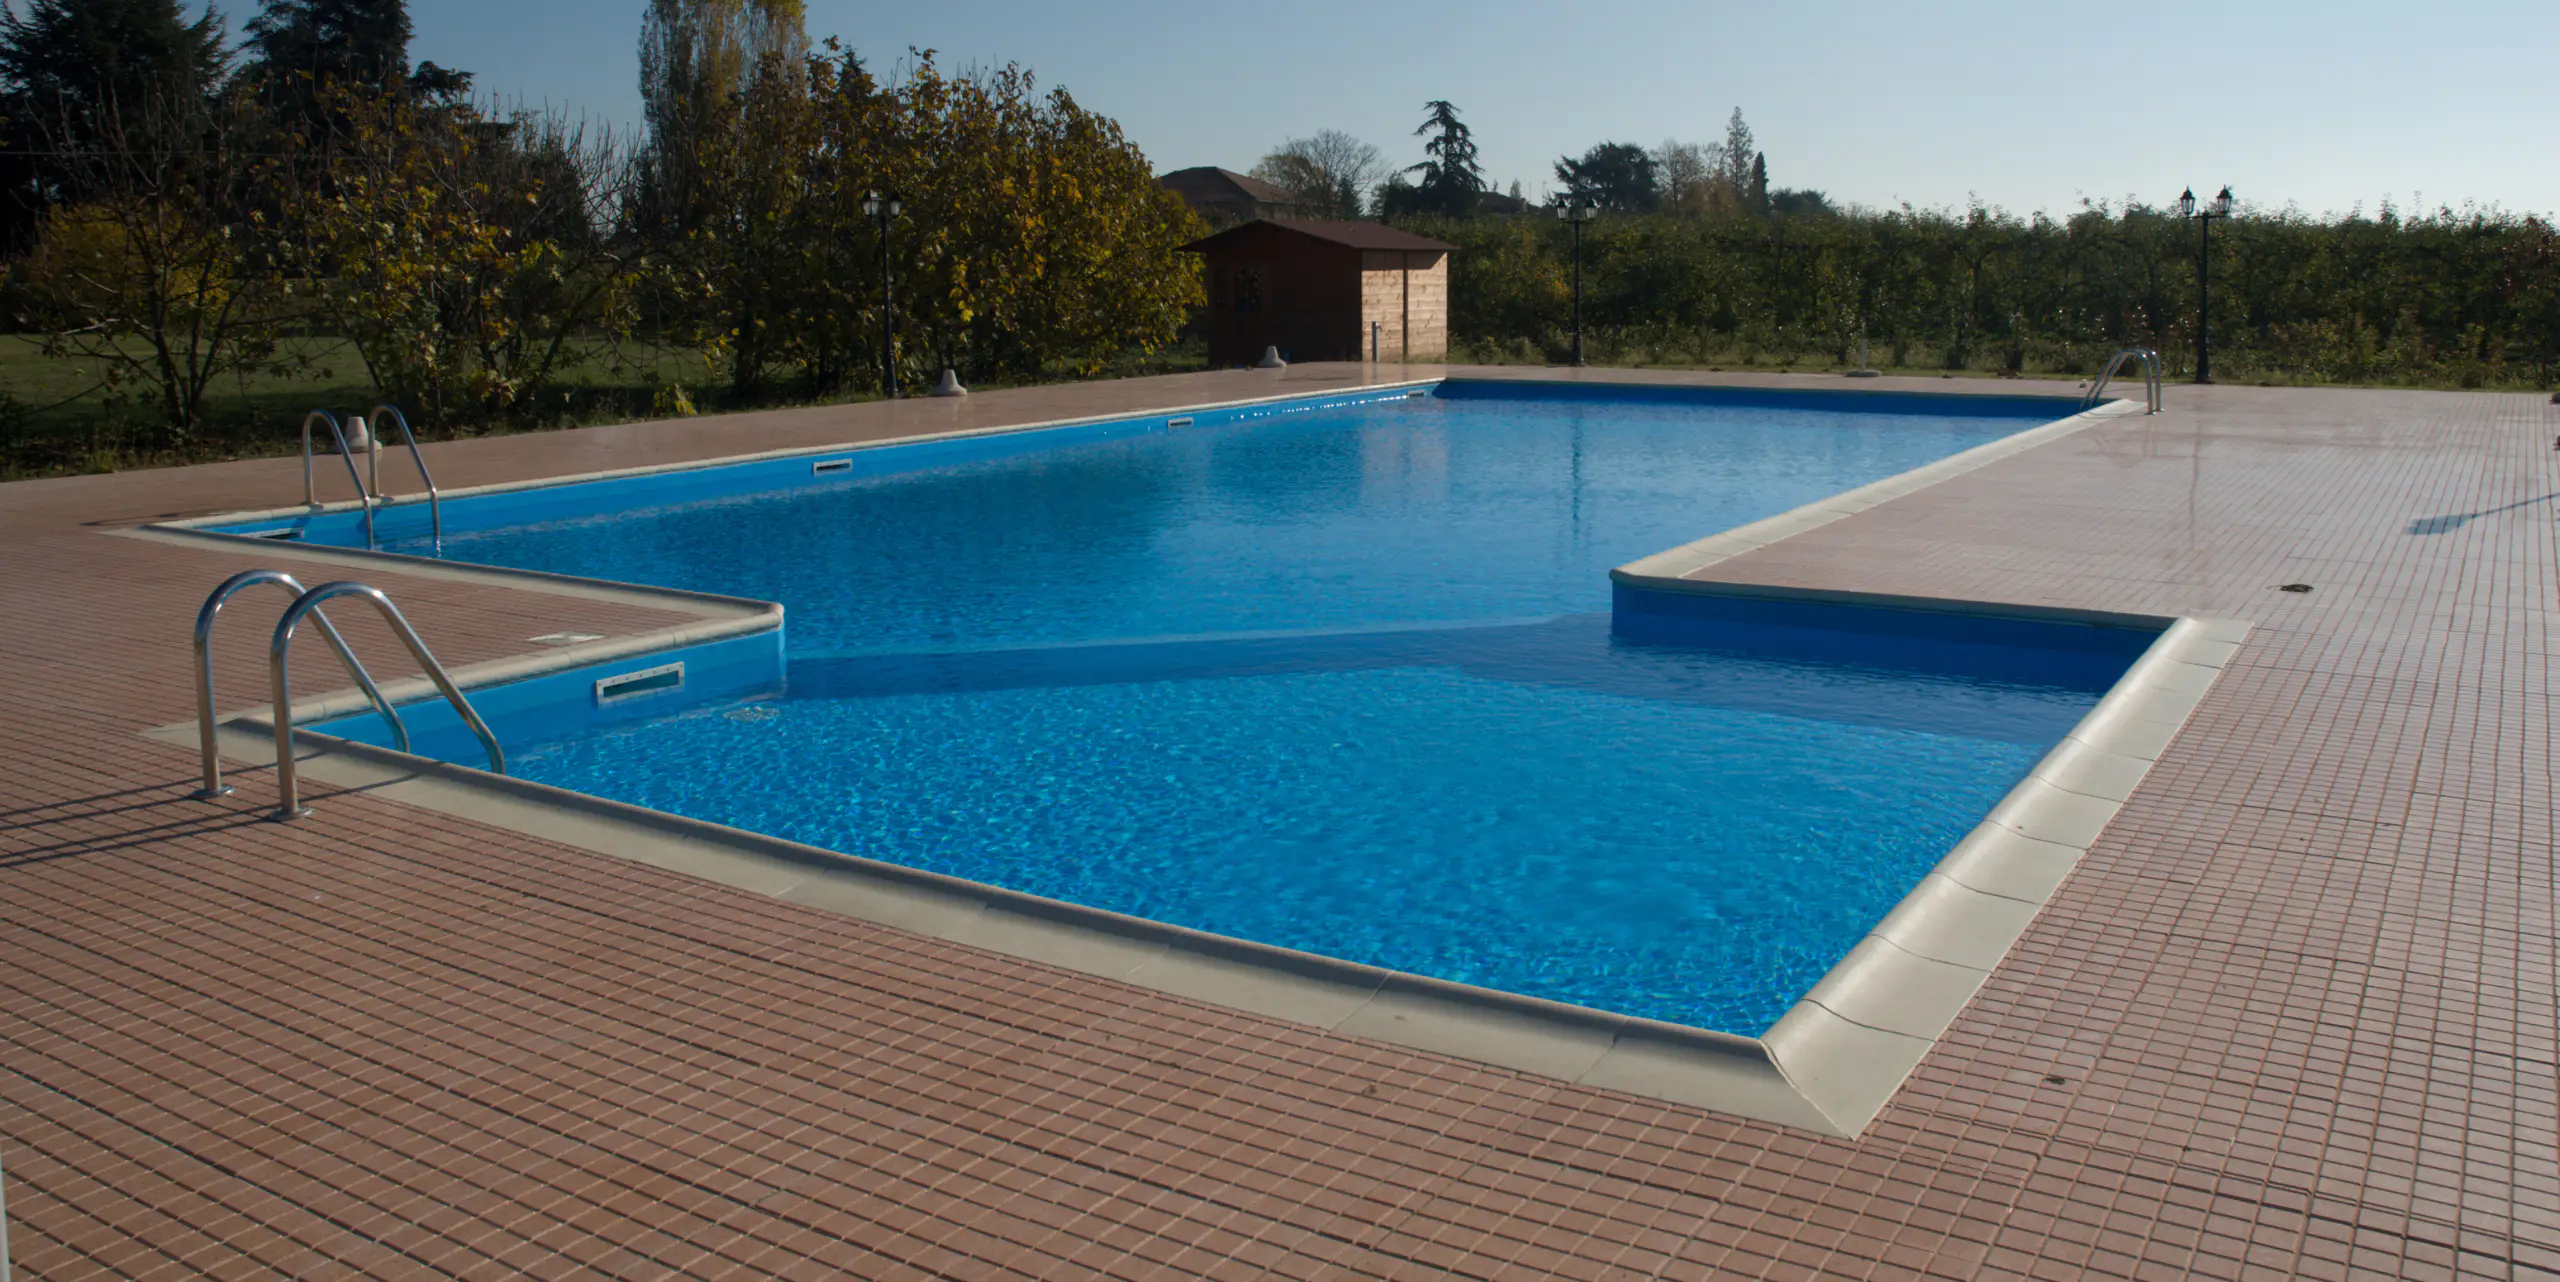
(1349,681)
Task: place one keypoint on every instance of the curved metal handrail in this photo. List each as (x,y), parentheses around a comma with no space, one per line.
(213,785)
(435,501)
(2150,377)
(288,783)
(310,494)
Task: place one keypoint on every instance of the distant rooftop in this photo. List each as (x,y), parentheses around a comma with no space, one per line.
(1210,185)
(1357,235)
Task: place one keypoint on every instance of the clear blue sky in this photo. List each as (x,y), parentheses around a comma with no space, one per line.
(2029,104)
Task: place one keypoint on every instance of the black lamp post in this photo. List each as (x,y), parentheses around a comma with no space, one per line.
(2220,208)
(880,209)
(1575,214)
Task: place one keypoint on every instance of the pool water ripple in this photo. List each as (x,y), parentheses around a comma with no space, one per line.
(1343,681)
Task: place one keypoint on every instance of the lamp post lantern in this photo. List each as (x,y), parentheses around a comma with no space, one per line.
(1575,213)
(2220,208)
(880,209)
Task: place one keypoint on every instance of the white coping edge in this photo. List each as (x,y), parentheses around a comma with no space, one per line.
(710,605)
(1689,558)
(1829,1065)
(760,456)
(1643,1057)
(1859,1032)
(719,617)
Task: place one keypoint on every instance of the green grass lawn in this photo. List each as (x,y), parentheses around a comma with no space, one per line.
(56,418)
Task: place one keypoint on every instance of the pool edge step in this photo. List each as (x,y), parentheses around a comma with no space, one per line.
(1694,1067)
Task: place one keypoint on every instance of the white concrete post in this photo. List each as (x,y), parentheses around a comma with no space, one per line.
(358,438)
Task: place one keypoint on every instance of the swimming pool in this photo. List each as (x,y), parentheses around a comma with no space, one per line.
(1347,678)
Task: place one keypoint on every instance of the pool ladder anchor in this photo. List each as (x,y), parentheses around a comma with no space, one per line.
(2150,377)
(306,604)
(369,425)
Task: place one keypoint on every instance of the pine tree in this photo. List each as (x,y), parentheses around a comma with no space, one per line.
(1760,181)
(68,66)
(1739,148)
(1451,179)
(300,48)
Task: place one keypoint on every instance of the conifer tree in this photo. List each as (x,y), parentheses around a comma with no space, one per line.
(68,66)
(1739,148)
(300,49)
(1450,177)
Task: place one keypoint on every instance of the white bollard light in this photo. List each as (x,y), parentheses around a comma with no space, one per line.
(1271,359)
(360,441)
(950,384)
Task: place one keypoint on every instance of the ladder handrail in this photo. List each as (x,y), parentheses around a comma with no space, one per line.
(213,785)
(310,494)
(288,784)
(435,501)
(2150,377)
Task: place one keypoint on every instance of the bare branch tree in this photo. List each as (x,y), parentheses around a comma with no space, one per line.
(1331,171)
(150,270)
(1691,177)
(463,252)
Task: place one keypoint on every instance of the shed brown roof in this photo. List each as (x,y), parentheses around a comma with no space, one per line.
(1358,235)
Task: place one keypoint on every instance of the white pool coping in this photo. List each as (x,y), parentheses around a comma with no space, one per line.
(761,456)
(1829,1065)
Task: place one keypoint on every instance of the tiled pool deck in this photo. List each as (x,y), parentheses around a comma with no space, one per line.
(2293,1016)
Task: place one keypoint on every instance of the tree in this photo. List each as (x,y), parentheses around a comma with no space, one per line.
(68,67)
(148,280)
(460,254)
(756,216)
(1034,236)
(1331,171)
(300,49)
(1758,197)
(1450,177)
(1691,177)
(1800,202)
(1739,149)
(696,55)
(1616,176)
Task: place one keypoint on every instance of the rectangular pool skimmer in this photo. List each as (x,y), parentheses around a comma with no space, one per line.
(632,685)
(1184,421)
(824,466)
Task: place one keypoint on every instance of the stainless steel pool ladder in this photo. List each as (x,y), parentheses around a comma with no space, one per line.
(288,794)
(368,495)
(310,491)
(2150,377)
(306,603)
(230,587)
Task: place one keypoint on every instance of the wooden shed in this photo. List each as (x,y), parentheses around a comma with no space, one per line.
(1314,289)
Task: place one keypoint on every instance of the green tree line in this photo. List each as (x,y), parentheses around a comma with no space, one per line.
(1697,260)
(2454,297)
(181,215)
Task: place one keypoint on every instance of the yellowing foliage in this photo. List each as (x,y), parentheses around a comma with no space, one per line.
(457,257)
(1034,236)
